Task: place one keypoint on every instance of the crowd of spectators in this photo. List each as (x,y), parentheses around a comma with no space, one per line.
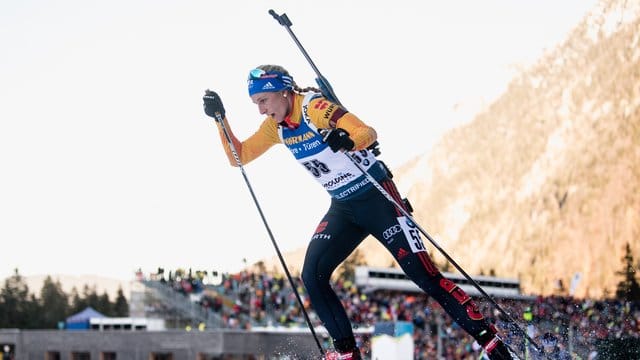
(258,299)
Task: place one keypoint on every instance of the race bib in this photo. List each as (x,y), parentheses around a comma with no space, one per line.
(412,233)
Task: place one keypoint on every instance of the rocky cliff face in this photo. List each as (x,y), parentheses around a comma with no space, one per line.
(545,183)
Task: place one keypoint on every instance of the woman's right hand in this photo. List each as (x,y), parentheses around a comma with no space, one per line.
(338,139)
(213,105)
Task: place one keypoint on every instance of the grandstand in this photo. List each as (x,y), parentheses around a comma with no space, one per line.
(377,278)
(126,323)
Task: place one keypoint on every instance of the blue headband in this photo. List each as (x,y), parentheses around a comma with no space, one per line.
(272,81)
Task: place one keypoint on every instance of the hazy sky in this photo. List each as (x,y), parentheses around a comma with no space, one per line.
(108,163)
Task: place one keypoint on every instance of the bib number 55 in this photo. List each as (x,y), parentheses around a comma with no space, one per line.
(316,167)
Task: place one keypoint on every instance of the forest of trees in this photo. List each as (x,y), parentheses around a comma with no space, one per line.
(20,308)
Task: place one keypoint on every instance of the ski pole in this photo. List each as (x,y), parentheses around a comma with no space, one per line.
(404,212)
(266,225)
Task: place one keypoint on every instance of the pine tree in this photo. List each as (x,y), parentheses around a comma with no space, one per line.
(104,305)
(54,304)
(91,296)
(77,303)
(16,306)
(32,313)
(628,289)
(120,305)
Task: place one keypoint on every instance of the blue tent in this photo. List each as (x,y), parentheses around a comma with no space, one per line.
(80,321)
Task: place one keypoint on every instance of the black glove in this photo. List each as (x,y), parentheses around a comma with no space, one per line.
(338,139)
(213,105)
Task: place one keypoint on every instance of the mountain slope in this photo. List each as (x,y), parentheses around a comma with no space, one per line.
(544,184)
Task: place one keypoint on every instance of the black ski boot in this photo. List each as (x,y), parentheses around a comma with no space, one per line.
(493,346)
(346,349)
(351,355)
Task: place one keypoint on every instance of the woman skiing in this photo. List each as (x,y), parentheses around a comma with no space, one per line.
(322,136)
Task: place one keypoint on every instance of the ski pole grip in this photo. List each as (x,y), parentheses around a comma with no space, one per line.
(282,19)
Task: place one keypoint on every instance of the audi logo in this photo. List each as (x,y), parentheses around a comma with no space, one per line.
(391,231)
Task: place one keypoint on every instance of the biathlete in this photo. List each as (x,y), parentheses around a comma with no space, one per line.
(320,134)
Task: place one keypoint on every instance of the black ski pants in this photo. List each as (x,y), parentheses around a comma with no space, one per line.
(344,227)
